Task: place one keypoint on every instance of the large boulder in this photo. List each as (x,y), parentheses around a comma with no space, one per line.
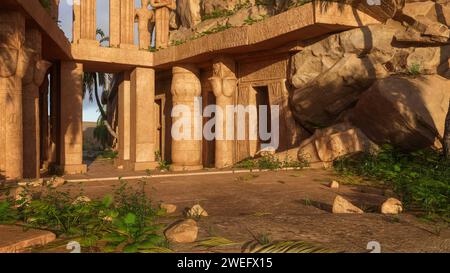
(327,145)
(328,76)
(407,112)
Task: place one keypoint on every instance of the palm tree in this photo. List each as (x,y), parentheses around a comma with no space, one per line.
(447,134)
(91,83)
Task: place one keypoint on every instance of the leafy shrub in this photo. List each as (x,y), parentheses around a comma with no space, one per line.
(421,179)
(163,165)
(8,215)
(110,154)
(123,222)
(271,162)
(133,222)
(58,212)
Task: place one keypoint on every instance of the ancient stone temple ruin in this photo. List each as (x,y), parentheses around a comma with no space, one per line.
(327,65)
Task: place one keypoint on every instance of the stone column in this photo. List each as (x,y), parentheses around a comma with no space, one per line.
(124,122)
(71,118)
(34,76)
(145,20)
(12,69)
(142,119)
(224,83)
(186,86)
(76,22)
(162,21)
(127,13)
(88,22)
(114,23)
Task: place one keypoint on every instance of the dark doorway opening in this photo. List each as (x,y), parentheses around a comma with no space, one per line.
(262,99)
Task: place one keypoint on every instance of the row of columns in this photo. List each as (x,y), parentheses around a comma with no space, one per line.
(186,86)
(22,98)
(121,22)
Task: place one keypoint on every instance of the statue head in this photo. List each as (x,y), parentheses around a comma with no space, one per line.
(145,3)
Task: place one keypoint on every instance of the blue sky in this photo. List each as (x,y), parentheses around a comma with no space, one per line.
(90,111)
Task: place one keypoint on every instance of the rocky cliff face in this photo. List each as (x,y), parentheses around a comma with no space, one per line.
(388,83)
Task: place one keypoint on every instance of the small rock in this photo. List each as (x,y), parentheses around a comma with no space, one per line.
(81,199)
(268,151)
(185,231)
(197,211)
(341,205)
(334,184)
(392,206)
(170,208)
(35,183)
(57,182)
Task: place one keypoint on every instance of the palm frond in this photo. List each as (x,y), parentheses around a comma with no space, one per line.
(156,249)
(284,247)
(216,242)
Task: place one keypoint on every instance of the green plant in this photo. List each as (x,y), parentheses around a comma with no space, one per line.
(420,179)
(58,212)
(109,154)
(269,162)
(46,4)
(414,69)
(163,165)
(125,222)
(218,13)
(131,234)
(250,20)
(248,164)
(133,223)
(8,214)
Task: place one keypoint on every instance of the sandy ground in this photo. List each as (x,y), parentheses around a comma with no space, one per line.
(287,205)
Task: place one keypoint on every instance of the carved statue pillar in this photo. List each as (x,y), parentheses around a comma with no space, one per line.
(12,69)
(142,119)
(34,76)
(71,118)
(127,12)
(162,20)
(187,142)
(76,22)
(224,83)
(145,19)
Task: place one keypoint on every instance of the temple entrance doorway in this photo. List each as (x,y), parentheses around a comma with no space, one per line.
(262,99)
